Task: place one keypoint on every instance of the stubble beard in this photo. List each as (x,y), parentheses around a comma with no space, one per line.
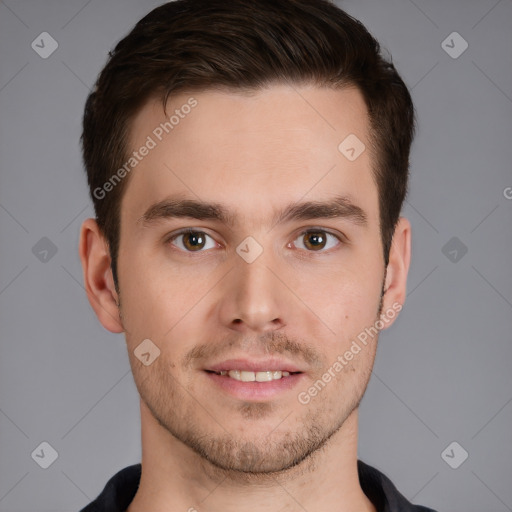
(242,460)
(225,454)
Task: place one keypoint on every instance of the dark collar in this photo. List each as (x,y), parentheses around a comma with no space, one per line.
(122,487)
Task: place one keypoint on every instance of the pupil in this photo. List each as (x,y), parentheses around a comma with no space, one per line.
(315,240)
(194,241)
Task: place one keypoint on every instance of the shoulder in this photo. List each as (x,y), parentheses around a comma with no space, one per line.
(383,493)
(119,491)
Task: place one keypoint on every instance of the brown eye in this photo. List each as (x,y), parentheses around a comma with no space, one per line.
(193,241)
(316,240)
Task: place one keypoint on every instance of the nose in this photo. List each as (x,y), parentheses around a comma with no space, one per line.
(253,298)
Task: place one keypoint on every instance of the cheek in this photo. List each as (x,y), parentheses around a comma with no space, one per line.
(151,303)
(344,296)
(167,306)
(346,299)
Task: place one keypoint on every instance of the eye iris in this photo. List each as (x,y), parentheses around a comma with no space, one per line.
(194,241)
(315,240)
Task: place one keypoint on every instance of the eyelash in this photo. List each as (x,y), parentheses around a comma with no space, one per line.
(188,231)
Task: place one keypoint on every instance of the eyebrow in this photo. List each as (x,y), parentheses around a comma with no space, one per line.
(337,207)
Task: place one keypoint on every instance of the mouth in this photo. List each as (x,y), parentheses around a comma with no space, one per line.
(250,376)
(254,380)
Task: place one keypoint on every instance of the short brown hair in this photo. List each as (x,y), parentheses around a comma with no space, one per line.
(188,45)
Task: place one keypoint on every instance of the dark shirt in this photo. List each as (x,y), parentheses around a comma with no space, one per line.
(121,488)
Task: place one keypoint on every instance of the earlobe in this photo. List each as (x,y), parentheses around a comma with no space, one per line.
(398,268)
(98,281)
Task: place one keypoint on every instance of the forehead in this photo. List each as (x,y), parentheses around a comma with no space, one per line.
(250,151)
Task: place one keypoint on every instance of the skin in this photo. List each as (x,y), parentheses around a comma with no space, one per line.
(253,154)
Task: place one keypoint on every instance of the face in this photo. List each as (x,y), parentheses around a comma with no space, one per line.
(250,255)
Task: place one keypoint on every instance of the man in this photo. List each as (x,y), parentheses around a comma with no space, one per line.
(248,161)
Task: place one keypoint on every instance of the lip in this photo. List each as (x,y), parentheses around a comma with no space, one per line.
(255,391)
(270,364)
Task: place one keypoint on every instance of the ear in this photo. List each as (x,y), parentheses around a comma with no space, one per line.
(98,279)
(397,269)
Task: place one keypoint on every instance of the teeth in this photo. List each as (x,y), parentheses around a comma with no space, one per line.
(246,376)
(265,376)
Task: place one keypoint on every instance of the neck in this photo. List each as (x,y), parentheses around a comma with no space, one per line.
(176,478)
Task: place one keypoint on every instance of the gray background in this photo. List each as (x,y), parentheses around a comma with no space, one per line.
(442,372)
